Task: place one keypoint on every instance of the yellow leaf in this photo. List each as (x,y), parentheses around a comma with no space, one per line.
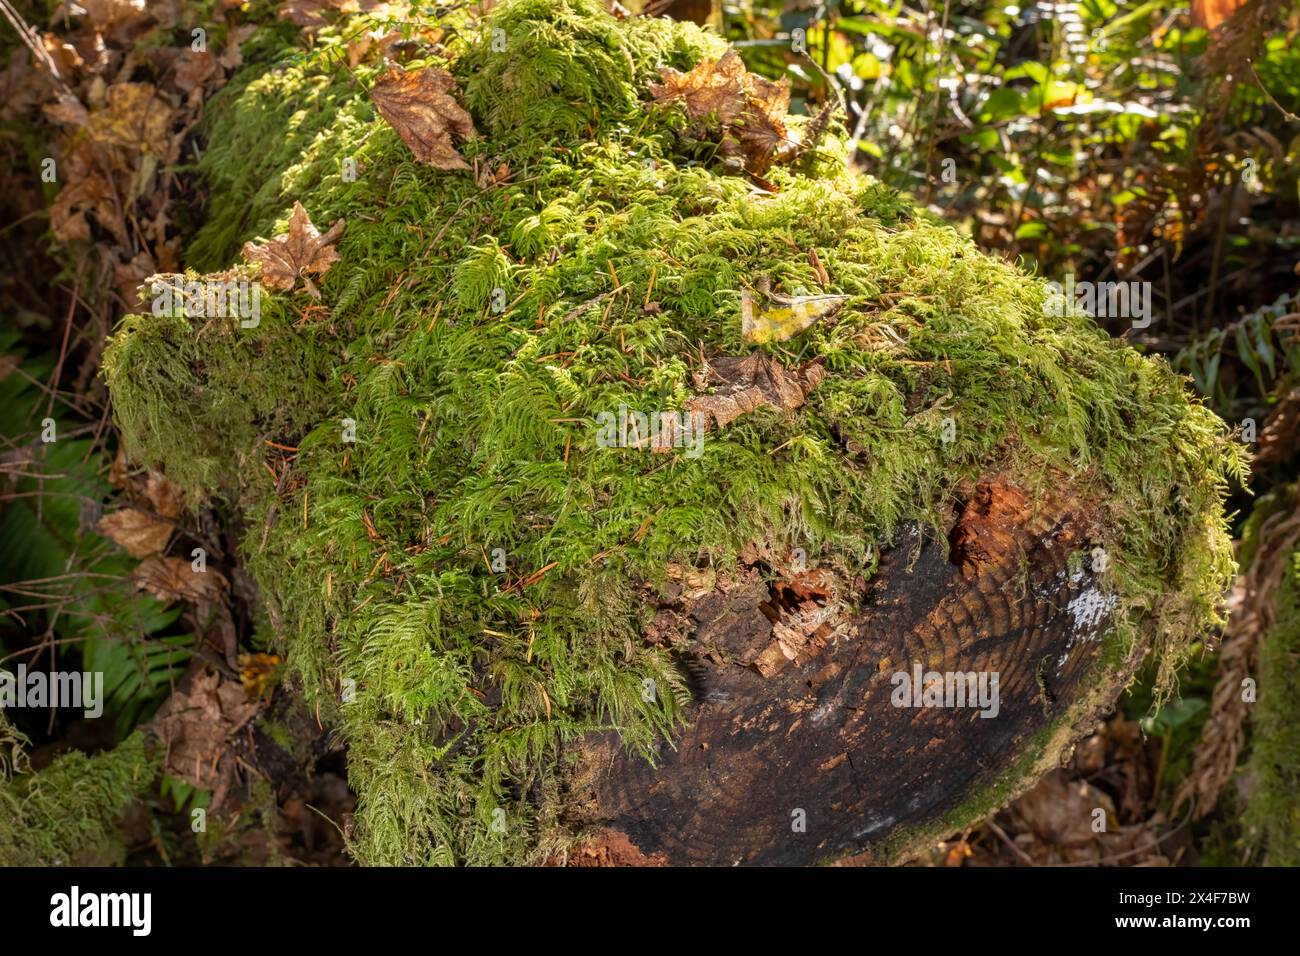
(782,317)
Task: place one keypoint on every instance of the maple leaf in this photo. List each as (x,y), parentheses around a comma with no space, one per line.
(746,382)
(419,104)
(711,89)
(301,251)
(749,109)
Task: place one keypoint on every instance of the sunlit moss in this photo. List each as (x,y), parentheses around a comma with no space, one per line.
(476,424)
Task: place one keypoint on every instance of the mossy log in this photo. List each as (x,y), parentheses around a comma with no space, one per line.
(568,646)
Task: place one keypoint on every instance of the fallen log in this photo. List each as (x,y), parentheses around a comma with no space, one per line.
(628,480)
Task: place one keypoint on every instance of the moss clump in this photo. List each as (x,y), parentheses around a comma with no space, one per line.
(620,249)
(68,814)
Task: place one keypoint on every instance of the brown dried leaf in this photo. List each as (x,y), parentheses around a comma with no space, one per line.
(108,13)
(86,194)
(231,56)
(309,14)
(744,383)
(140,533)
(164,495)
(1061,811)
(750,109)
(713,89)
(196,725)
(313,14)
(118,19)
(384,43)
(419,104)
(21,86)
(190,71)
(64,55)
(174,579)
(1280,437)
(67,110)
(131,275)
(301,251)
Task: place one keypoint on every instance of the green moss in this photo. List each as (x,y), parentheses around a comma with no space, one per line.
(69,812)
(476,430)
(1272,816)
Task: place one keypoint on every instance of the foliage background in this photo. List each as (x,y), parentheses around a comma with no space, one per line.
(1153,141)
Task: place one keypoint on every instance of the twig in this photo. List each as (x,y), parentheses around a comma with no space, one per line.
(32,39)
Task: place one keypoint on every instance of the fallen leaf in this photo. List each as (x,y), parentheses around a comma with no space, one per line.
(139,533)
(130,277)
(383,43)
(782,317)
(84,195)
(1061,811)
(67,110)
(190,71)
(806,615)
(258,672)
(231,55)
(196,726)
(744,383)
(310,14)
(301,251)
(713,89)
(174,579)
(65,56)
(21,87)
(135,117)
(164,495)
(420,106)
(119,18)
(750,109)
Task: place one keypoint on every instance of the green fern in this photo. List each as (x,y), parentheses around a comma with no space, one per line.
(59,579)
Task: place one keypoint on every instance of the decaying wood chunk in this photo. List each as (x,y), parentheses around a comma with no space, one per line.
(798,751)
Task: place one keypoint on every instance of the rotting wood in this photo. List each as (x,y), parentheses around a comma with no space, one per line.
(810,735)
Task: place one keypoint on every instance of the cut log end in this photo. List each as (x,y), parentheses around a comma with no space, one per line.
(819,733)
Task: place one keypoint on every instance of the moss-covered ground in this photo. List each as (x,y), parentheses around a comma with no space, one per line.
(68,814)
(475,410)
